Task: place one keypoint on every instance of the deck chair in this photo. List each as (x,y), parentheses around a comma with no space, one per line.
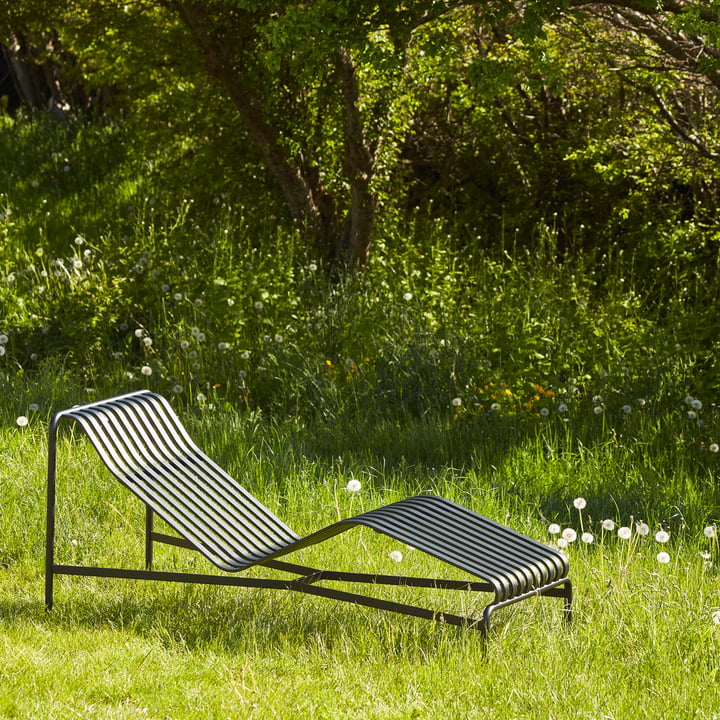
(140,439)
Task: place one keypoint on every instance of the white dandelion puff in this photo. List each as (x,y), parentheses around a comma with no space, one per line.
(396,555)
(608,525)
(663,557)
(579,503)
(642,528)
(21,421)
(588,538)
(146,370)
(554,529)
(569,535)
(710,531)
(353,485)
(624,533)
(661,536)
(456,402)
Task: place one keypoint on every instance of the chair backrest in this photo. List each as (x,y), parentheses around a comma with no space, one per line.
(143,443)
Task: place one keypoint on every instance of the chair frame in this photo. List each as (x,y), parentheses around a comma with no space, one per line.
(398,520)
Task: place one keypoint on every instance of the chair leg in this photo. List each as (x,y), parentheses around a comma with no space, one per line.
(148,537)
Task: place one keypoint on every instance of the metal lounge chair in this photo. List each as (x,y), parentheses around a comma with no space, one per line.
(143,443)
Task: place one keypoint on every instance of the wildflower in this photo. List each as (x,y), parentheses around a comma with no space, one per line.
(223,346)
(642,528)
(624,533)
(3,339)
(2,350)
(230,302)
(663,557)
(201,397)
(312,267)
(33,407)
(177,297)
(200,337)
(147,341)
(598,409)
(198,302)
(608,525)
(258,305)
(396,555)
(710,531)
(641,402)
(407,296)
(165,288)
(689,399)
(714,447)
(77,264)
(353,485)
(194,331)
(495,406)
(118,355)
(696,405)
(177,389)
(597,399)
(138,332)
(456,402)
(692,415)
(661,536)
(21,421)
(554,529)
(184,344)
(562,543)
(569,535)
(544,412)
(588,538)
(279,338)
(626,409)
(146,370)
(562,407)
(579,503)
(79,240)
(245,355)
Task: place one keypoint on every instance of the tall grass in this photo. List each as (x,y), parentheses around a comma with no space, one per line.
(507,378)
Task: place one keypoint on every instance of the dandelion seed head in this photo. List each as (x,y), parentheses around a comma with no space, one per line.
(642,528)
(626,409)
(184,344)
(396,555)
(598,409)
(245,355)
(353,485)
(544,412)
(177,297)
(608,525)
(692,415)
(714,447)
(279,338)
(554,529)
(177,389)
(2,350)
(312,267)
(147,341)
(588,538)
(688,399)
(258,305)
(661,536)
(146,370)
(569,534)
(407,296)
(710,531)
(198,302)
(495,406)
(663,558)
(201,397)
(579,503)
(562,407)
(138,332)
(223,346)
(562,543)
(21,421)
(624,533)
(597,399)
(696,405)
(456,402)
(716,617)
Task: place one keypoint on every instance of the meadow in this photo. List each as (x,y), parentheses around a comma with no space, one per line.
(571,398)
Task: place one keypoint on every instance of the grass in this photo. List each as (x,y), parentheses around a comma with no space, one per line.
(116,649)
(511,382)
